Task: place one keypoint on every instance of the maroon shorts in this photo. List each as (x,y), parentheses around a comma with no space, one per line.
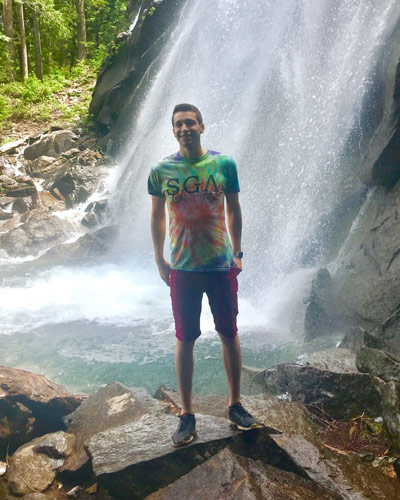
(187,290)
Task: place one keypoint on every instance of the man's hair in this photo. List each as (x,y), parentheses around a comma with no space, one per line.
(187,107)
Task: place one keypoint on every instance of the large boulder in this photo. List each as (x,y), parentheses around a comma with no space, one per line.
(230,476)
(378,364)
(51,144)
(111,407)
(357,338)
(89,247)
(30,405)
(340,395)
(39,231)
(340,474)
(337,360)
(34,465)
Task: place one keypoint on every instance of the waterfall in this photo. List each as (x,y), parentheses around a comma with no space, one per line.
(283,87)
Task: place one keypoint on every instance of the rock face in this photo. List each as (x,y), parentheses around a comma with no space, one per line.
(368,275)
(30,405)
(340,395)
(132,55)
(229,476)
(33,466)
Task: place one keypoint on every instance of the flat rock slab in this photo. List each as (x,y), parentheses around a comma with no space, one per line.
(229,476)
(148,438)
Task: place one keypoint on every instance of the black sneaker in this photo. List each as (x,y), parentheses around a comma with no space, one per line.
(242,419)
(186,430)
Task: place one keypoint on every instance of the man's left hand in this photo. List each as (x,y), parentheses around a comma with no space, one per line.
(238,264)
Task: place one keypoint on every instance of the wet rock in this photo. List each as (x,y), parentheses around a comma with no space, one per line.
(75,182)
(21,206)
(5,215)
(34,465)
(334,360)
(30,405)
(90,247)
(378,364)
(315,313)
(51,144)
(357,338)
(12,147)
(229,476)
(340,395)
(110,407)
(90,220)
(40,166)
(39,231)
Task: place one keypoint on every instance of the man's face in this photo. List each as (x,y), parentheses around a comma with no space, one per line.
(187,129)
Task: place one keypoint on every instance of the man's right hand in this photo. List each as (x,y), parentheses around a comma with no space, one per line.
(164,268)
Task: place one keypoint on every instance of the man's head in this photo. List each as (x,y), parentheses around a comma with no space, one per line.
(187,127)
(187,107)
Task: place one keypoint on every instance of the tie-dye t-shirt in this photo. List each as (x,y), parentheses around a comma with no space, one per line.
(194,190)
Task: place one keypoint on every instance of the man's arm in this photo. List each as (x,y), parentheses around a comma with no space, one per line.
(158,228)
(234,216)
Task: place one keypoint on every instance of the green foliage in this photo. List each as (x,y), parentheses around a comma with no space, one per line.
(65,92)
(65,96)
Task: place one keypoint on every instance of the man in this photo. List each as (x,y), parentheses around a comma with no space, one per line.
(194,182)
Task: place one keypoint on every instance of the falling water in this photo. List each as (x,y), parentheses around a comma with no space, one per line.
(281,86)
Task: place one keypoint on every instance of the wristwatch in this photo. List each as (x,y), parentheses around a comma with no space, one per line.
(239,255)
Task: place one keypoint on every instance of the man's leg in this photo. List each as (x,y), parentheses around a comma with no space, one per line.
(232,357)
(184,373)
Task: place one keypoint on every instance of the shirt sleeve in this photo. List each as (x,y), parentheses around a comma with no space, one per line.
(232,181)
(154,184)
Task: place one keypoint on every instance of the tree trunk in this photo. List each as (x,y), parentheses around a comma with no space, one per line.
(81,29)
(9,32)
(24,52)
(38,47)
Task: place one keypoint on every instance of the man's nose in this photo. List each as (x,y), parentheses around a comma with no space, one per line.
(185,127)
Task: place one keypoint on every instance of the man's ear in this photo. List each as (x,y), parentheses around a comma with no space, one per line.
(202,127)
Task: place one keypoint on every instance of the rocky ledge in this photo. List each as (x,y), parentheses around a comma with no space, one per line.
(115,444)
